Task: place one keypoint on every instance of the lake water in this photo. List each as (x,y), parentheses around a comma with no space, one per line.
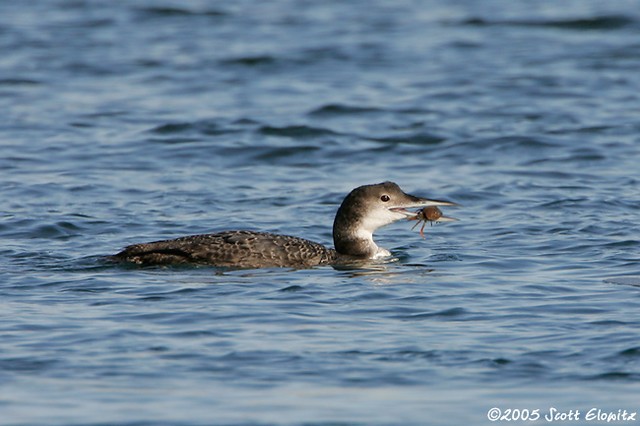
(133,121)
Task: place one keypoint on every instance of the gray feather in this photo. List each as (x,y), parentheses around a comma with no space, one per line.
(240,249)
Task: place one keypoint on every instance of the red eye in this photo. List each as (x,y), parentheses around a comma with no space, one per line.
(385,198)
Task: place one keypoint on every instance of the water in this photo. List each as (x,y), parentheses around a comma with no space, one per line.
(132,121)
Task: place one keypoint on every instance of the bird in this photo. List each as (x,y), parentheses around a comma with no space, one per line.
(365,209)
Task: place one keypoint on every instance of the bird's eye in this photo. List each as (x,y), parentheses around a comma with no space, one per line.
(385,198)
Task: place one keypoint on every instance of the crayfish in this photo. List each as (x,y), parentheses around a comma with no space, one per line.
(428,214)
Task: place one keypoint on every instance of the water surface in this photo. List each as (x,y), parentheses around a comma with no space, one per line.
(136,121)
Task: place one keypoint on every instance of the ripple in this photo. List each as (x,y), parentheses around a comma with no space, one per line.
(292,289)
(597,23)
(615,376)
(173,128)
(155,12)
(252,61)
(297,132)
(60,229)
(630,280)
(331,110)
(38,228)
(204,127)
(411,139)
(451,313)
(26,364)
(19,82)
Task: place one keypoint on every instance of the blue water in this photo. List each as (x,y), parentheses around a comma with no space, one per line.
(125,122)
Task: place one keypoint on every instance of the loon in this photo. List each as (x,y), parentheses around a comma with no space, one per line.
(364,210)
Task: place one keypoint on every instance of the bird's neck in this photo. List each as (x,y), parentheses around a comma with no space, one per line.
(352,238)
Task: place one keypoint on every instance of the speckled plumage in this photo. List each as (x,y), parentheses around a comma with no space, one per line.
(363,210)
(238,249)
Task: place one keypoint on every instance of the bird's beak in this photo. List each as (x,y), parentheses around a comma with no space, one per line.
(444,219)
(413,202)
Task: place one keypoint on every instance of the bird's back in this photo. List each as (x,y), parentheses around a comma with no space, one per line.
(238,249)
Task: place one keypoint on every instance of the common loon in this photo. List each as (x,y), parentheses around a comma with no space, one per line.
(364,210)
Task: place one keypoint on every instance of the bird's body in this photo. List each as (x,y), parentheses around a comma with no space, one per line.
(365,209)
(238,249)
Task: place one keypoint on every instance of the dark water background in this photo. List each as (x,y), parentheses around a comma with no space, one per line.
(130,121)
